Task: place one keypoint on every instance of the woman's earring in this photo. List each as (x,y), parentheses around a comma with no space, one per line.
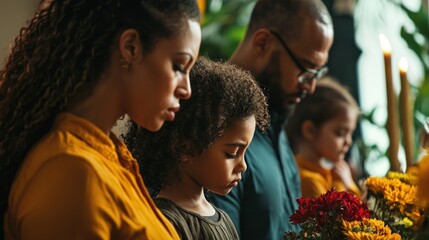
(124,64)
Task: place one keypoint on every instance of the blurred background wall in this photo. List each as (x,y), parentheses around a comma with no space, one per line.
(13,16)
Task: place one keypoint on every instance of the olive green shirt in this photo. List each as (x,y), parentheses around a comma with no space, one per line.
(191,225)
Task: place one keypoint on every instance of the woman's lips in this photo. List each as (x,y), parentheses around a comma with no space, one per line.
(172,113)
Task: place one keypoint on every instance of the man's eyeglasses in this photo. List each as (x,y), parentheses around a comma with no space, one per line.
(307,74)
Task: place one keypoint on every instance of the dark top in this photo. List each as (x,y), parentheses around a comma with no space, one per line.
(261,204)
(190,225)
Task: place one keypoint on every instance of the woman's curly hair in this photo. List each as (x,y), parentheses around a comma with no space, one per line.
(58,59)
(221,95)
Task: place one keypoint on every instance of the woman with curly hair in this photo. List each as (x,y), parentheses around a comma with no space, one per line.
(78,67)
(202,149)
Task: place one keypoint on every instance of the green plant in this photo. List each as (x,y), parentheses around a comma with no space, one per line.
(223,27)
(418,42)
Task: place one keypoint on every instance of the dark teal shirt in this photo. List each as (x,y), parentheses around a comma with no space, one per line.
(261,204)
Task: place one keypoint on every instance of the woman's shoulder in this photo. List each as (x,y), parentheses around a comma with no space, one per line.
(61,154)
(56,149)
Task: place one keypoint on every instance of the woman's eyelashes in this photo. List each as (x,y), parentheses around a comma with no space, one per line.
(179,68)
(182,64)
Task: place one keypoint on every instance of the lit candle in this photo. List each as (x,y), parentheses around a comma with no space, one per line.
(406,113)
(392,114)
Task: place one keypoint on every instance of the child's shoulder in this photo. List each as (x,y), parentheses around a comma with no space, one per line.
(173,211)
(168,207)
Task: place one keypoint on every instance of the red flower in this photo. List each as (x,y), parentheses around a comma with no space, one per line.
(304,211)
(325,213)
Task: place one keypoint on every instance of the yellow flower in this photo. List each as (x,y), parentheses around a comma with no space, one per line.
(370,236)
(401,195)
(368,229)
(406,222)
(376,184)
(396,193)
(403,177)
(395,183)
(415,216)
(396,200)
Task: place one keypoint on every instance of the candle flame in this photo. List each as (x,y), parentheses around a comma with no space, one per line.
(385,44)
(403,65)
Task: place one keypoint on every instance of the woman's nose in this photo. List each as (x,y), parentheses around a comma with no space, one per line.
(184,90)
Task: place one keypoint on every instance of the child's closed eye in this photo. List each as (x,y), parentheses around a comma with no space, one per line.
(231,156)
(341,132)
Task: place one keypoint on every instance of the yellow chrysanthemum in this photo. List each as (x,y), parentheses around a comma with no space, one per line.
(400,195)
(396,200)
(395,183)
(368,229)
(376,184)
(403,177)
(370,236)
(396,193)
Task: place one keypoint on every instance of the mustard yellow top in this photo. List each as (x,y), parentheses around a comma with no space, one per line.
(421,170)
(423,181)
(77,183)
(315,180)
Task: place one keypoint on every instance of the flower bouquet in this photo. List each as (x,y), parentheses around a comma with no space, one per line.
(330,216)
(393,199)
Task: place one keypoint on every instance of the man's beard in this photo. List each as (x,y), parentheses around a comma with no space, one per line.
(278,101)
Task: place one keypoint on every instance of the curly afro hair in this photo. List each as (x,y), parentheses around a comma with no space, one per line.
(222,94)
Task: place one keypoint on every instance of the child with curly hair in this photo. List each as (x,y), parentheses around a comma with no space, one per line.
(321,129)
(202,149)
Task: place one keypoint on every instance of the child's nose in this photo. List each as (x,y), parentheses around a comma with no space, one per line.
(349,140)
(241,166)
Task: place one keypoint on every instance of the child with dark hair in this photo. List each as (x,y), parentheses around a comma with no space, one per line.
(75,69)
(320,132)
(202,149)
